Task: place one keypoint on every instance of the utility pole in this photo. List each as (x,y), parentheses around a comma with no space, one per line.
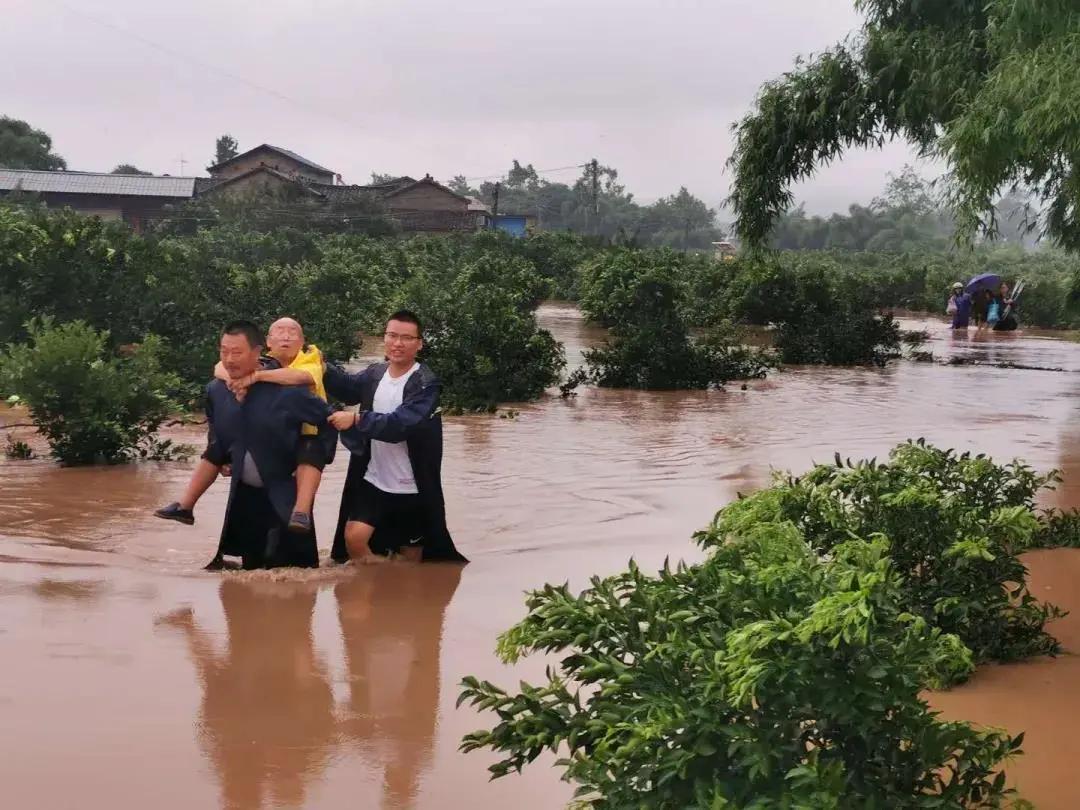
(183,163)
(596,186)
(495,200)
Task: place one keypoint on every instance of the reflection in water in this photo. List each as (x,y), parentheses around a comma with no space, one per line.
(79,507)
(391,625)
(266,720)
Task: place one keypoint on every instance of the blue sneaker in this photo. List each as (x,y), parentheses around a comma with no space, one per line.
(174,512)
(300,522)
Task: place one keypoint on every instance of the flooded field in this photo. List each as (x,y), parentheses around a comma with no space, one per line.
(132,679)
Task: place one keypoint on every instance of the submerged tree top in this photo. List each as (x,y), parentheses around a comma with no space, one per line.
(993,88)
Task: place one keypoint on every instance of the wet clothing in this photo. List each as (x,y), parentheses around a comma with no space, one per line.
(962,316)
(417,424)
(373,506)
(390,469)
(259,536)
(263,431)
(312,450)
(1007,324)
(1004,323)
(310,359)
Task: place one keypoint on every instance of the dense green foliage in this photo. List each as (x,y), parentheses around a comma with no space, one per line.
(820,316)
(990,87)
(650,298)
(23,147)
(480,333)
(644,297)
(90,403)
(784,671)
(907,216)
(183,286)
(955,526)
(920,281)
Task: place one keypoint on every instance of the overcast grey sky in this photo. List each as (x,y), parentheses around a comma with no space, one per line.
(415,86)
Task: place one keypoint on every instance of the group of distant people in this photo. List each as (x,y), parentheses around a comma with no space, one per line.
(987,308)
(272,431)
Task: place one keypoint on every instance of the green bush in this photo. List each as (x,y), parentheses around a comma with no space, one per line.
(480,333)
(954,526)
(820,315)
(1058,529)
(558,257)
(767,676)
(90,404)
(611,282)
(650,348)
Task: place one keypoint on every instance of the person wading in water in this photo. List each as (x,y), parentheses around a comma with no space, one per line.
(259,437)
(392,501)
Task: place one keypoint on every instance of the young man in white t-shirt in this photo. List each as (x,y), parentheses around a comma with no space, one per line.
(388,495)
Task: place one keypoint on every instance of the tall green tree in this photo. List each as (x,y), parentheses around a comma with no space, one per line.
(128,168)
(682,219)
(23,147)
(225,148)
(461,186)
(992,87)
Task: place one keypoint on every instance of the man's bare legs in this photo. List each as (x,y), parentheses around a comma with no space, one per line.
(308,478)
(182,511)
(357,537)
(202,477)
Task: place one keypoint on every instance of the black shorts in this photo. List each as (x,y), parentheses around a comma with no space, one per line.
(216,455)
(310,450)
(387,510)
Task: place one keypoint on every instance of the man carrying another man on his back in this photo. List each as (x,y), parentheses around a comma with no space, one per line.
(256,426)
(291,361)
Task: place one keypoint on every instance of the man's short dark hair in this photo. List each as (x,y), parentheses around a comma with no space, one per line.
(407,316)
(249,330)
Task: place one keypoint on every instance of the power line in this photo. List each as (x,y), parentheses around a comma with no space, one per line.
(538,171)
(130,33)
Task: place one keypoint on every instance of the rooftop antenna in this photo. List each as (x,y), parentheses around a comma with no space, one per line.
(182,164)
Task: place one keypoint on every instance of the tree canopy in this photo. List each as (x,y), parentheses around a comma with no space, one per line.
(907,216)
(992,87)
(23,147)
(680,220)
(225,148)
(128,168)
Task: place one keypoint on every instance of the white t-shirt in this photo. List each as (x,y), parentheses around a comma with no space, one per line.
(390,469)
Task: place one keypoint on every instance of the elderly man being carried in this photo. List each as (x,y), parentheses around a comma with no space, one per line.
(289,361)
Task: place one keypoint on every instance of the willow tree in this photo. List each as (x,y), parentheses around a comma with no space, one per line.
(992,87)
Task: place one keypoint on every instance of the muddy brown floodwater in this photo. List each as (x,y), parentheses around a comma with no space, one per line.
(131,679)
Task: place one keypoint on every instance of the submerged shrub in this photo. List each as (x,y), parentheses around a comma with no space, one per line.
(821,317)
(650,348)
(1058,529)
(954,525)
(90,404)
(767,676)
(480,331)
